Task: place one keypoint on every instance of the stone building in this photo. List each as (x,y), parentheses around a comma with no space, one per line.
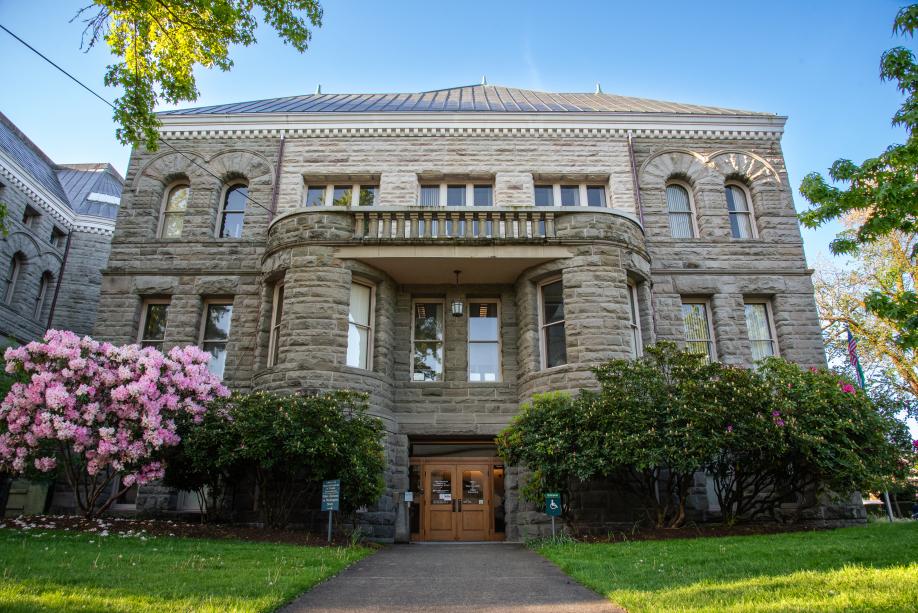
(452,253)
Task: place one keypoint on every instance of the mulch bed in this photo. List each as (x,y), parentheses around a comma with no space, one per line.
(144,528)
(699,531)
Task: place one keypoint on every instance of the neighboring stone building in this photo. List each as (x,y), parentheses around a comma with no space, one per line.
(60,220)
(319,236)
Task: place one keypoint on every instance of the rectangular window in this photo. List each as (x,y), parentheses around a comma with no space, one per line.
(483,195)
(484,341)
(368,195)
(341,195)
(215,330)
(554,343)
(581,194)
(739,211)
(637,348)
(455,195)
(596,195)
(570,195)
(360,327)
(58,237)
(315,195)
(30,218)
(277,312)
(761,335)
(153,323)
(697,329)
(430,195)
(544,195)
(427,341)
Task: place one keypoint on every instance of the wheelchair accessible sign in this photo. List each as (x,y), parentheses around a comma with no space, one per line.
(553,504)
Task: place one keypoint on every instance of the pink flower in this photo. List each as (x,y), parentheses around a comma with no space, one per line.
(846,387)
(729,428)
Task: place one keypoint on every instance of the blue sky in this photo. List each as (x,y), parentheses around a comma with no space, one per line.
(815,62)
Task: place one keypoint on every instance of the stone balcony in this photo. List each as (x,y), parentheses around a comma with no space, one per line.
(450,223)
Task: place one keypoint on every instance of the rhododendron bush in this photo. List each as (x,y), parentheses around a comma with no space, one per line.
(101,414)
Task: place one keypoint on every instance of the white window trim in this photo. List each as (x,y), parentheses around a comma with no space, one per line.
(371,328)
(500,340)
(330,193)
(693,211)
(162,208)
(635,325)
(221,209)
(143,317)
(442,342)
(542,326)
(753,229)
(275,325)
(709,317)
(582,194)
(15,271)
(469,193)
(207,303)
(771,324)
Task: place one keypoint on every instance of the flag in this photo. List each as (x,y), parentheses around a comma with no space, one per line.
(852,356)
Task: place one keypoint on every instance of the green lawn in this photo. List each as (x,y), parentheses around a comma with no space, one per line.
(870,568)
(63,571)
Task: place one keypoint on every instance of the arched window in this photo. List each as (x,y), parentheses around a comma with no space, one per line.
(680,211)
(44,294)
(12,276)
(173,215)
(740,211)
(233,211)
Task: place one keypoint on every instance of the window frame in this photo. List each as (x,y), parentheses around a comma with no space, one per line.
(208,302)
(693,211)
(145,303)
(753,230)
(222,209)
(442,303)
(444,189)
(637,340)
(17,261)
(329,195)
(582,194)
(371,327)
(165,202)
(30,217)
(709,321)
(772,330)
(116,506)
(274,329)
(543,354)
(58,238)
(469,341)
(44,286)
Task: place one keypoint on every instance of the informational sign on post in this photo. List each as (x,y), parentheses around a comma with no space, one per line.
(331,500)
(553,508)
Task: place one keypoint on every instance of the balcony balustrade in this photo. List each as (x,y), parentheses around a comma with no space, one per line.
(423,223)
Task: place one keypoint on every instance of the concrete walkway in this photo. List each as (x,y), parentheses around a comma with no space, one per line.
(484,578)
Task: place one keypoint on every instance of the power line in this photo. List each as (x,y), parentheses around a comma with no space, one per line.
(100,97)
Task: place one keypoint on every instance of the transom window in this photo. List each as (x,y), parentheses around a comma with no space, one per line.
(277,312)
(342,194)
(427,341)
(740,212)
(484,341)
(680,212)
(215,331)
(174,208)
(153,323)
(456,194)
(635,322)
(554,342)
(698,338)
(232,214)
(759,328)
(558,194)
(360,327)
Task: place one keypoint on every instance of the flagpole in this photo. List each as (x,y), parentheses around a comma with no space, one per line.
(856,363)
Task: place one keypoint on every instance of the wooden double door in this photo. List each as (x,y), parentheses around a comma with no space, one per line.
(456,501)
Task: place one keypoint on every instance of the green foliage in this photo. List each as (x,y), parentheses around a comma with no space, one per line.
(882,191)
(158,44)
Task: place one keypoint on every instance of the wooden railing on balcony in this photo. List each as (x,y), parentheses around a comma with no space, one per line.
(452,223)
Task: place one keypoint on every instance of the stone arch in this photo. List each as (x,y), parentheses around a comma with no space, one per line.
(235,164)
(684,164)
(24,243)
(746,167)
(168,167)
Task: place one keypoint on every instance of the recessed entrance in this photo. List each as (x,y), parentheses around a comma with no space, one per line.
(458,492)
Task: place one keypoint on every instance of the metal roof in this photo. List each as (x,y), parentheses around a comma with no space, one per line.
(76,185)
(470,98)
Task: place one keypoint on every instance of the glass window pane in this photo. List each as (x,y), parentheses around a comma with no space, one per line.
(231,226)
(695,318)
(279,307)
(740,225)
(154,325)
(358,341)
(736,199)
(428,361)
(553,302)
(173,224)
(596,195)
(484,195)
(430,195)
(570,195)
(483,321)
(455,195)
(680,225)
(368,195)
(473,487)
(428,321)
(236,198)
(315,195)
(217,325)
(677,199)
(178,200)
(341,195)
(441,487)
(484,361)
(217,352)
(544,195)
(555,346)
(360,304)
(759,329)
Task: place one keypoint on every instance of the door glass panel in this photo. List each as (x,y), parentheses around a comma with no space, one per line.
(441,487)
(473,487)
(497,500)
(414,485)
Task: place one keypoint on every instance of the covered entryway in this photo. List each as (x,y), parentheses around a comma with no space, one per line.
(458,490)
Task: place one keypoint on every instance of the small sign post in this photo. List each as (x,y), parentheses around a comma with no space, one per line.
(553,508)
(331,496)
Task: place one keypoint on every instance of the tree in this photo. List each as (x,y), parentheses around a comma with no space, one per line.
(102,413)
(883,191)
(158,43)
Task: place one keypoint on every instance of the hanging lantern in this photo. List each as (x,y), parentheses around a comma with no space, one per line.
(457,306)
